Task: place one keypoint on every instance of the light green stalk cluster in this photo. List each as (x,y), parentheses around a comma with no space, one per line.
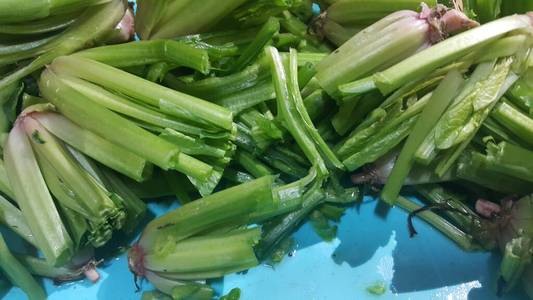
(153,124)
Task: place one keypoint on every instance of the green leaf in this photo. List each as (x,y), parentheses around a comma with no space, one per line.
(452,122)
(465,117)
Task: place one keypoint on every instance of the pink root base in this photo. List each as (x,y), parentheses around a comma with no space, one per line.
(136,260)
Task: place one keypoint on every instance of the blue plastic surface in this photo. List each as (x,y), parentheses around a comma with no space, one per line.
(368,250)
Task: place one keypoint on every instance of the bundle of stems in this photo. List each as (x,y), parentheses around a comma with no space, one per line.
(180,132)
(173,246)
(91,27)
(475,42)
(86,209)
(255,128)
(387,42)
(206,238)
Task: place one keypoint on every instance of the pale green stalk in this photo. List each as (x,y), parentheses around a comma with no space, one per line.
(34,199)
(94,146)
(12,217)
(169,101)
(148,52)
(82,111)
(4,182)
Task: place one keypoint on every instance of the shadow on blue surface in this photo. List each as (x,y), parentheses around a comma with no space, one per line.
(354,249)
(368,249)
(425,262)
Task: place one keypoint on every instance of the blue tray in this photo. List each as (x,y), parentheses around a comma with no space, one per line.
(367,251)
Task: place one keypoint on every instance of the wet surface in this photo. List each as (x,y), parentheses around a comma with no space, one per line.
(368,250)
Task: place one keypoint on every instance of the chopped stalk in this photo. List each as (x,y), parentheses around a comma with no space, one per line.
(117,129)
(149,52)
(248,98)
(88,194)
(252,165)
(365,147)
(521,94)
(299,104)
(284,163)
(337,33)
(514,120)
(369,50)
(293,25)
(125,106)
(473,167)
(170,245)
(213,88)
(236,176)
(277,230)
(516,258)
(206,253)
(487,100)
(34,199)
(169,101)
(500,133)
(379,145)
(352,113)
(76,224)
(509,159)
(217,208)
(263,37)
(289,112)
(94,146)
(430,115)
